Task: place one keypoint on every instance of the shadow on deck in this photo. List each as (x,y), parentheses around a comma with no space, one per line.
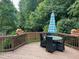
(34,51)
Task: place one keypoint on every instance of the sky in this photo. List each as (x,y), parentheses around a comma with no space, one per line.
(16,3)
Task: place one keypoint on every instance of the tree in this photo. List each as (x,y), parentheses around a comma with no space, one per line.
(36,13)
(60,7)
(7,16)
(40,17)
(26,7)
(66,25)
(74,9)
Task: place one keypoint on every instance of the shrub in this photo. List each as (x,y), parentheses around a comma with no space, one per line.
(7,43)
(13,33)
(65,25)
(45,28)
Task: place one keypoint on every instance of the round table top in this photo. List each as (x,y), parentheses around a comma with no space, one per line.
(55,37)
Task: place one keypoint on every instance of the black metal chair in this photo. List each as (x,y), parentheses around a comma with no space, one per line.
(50,46)
(43,40)
(60,46)
(54,45)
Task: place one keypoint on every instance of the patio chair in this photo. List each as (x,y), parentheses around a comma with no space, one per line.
(50,46)
(54,43)
(43,40)
(60,46)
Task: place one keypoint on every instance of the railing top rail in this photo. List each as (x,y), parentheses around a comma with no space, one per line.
(70,35)
(61,34)
(12,36)
(35,32)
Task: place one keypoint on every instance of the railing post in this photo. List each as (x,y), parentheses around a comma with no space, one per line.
(13,43)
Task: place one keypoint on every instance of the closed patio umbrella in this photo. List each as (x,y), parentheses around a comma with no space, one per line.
(52,24)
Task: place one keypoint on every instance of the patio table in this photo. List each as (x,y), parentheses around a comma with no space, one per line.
(55,37)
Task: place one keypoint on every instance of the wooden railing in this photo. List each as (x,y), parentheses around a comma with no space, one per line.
(71,40)
(8,43)
(33,36)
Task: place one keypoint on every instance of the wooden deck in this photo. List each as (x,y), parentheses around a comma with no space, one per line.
(34,51)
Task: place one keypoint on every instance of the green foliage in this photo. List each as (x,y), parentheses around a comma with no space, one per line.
(60,6)
(7,43)
(41,15)
(74,9)
(35,14)
(45,28)
(13,33)
(65,25)
(7,16)
(26,7)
